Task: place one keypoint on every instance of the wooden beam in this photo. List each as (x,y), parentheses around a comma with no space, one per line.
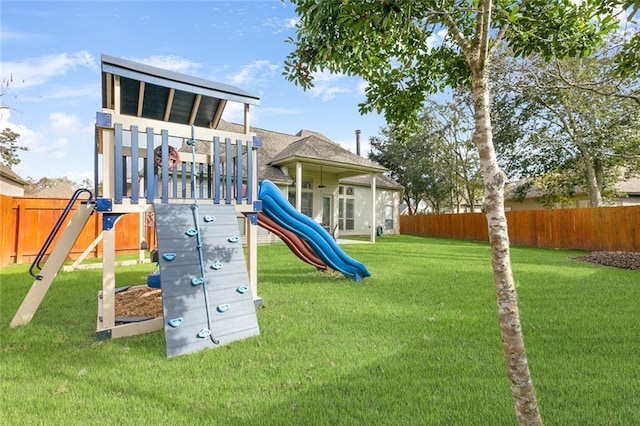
(247,124)
(109,89)
(194,109)
(218,114)
(167,110)
(140,98)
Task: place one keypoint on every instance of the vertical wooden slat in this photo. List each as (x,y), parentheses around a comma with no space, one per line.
(149,168)
(118,169)
(200,181)
(164,134)
(250,171)
(228,170)
(238,177)
(216,170)
(20,222)
(184,179)
(135,189)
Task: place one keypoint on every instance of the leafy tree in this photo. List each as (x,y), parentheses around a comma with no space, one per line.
(568,122)
(404,161)
(389,43)
(437,163)
(452,125)
(62,186)
(9,147)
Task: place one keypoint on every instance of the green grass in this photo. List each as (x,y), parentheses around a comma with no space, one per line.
(417,343)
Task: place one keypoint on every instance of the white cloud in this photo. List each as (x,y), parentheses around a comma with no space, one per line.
(436,39)
(233,112)
(280,25)
(254,73)
(6,36)
(36,71)
(328,85)
(171,63)
(61,123)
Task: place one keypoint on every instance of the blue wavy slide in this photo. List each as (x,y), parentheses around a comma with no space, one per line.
(278,208)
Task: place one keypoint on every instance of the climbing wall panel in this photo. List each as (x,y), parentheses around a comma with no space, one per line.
(206,296)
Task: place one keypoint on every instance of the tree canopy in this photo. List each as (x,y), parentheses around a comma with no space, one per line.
(561,124)
(406,50)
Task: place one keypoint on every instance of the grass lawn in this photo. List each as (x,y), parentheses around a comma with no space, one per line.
(416,344)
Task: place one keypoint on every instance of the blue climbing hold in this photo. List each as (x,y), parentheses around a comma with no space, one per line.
(169,256)
(191,142)
(242,289)
(216,266)
(175,322)
(197,281)
(234,239)
(204,333)
(191,232)
(223,308)
(209,218)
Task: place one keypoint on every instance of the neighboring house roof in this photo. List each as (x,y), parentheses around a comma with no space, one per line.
(59,190)
(7,173)
(630,186)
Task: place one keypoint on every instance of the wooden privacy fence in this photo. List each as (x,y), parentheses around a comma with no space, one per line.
(26,223)
(590,229)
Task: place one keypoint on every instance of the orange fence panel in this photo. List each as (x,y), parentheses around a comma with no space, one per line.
(26,223)
(590,229)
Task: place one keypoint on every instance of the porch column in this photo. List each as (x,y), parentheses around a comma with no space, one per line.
(299,186)
(373,207)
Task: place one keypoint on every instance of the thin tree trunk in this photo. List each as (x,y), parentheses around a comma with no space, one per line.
(522,390)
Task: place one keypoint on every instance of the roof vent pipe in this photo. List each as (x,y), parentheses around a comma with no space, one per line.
(358,143)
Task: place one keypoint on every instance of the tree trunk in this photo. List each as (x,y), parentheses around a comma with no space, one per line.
(522,390)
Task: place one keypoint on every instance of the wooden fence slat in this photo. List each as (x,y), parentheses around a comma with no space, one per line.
(27,221)
(590,229)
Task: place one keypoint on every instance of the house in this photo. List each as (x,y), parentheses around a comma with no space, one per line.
(347,194)
(628,188)
(10,183)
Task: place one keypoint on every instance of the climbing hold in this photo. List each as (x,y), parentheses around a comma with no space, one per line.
(216,266)
(197,281)
(234,239)
(209,218)
(191,142)
(175,322)
(191,232)
(242,289)
(223,308)
(169,256)
(205,332)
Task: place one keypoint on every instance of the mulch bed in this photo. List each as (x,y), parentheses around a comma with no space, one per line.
(140,301)
(618,259)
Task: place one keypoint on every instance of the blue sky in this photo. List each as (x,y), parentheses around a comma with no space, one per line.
(51,51)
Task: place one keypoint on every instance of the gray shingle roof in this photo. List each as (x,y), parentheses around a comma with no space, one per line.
(279,149)
(9,174)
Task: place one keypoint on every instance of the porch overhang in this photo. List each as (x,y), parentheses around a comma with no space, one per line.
(339,169)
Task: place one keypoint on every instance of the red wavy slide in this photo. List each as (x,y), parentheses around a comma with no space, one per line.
(296,244)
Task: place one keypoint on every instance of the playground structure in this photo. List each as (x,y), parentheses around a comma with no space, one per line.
(200,183)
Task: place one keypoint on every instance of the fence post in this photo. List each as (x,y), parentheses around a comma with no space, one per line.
(20,219)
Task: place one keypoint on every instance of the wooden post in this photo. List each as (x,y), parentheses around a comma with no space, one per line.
(19,239)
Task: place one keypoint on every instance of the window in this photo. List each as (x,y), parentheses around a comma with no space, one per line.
(306,206)
(388,217)
(346,208)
